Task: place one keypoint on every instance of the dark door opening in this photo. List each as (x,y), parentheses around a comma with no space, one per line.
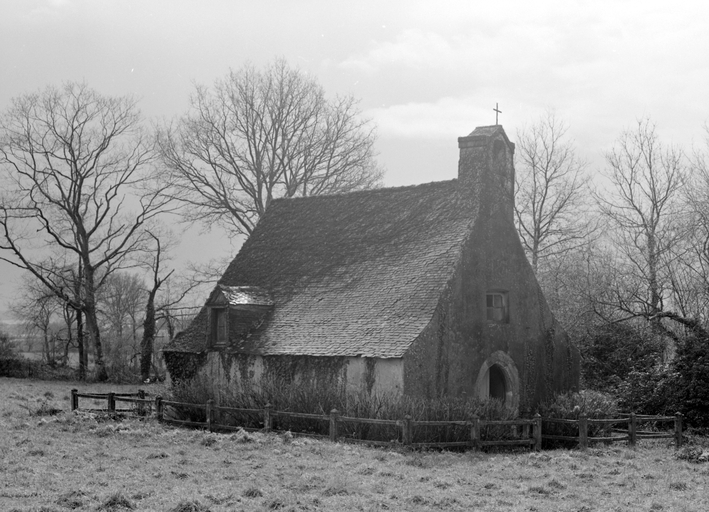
(498,385)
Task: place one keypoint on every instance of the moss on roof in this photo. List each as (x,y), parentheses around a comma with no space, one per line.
(357,274)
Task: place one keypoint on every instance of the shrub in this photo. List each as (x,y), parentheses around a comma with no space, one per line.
(21,368)
(8,350)
(612,351)
(680,386)
(120,372)
(646,391)
(572,405)
(689,381)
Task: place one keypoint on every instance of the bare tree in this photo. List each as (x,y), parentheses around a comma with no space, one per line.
(121,301)
(642,208)
(689,270)
(159,307)
(258,135)
(38,309)
(76,167)
(69,318)
(150,322)
(550,192)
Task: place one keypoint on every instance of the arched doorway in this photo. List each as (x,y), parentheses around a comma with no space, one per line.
(497,383)
(498,378)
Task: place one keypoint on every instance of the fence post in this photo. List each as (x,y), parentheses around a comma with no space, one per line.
(678,429)
(632,429)
(334,418)
(583,431)
(111,397)
(267,420)
(475,432)
(74,399)
(158,408)
(406,433)
(210,414)
(537,432)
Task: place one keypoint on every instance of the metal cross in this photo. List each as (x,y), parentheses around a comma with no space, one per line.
(497,111)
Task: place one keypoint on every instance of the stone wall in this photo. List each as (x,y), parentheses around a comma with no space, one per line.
(460,344)
(244,372)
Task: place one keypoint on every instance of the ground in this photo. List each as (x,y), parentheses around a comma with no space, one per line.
(69,461)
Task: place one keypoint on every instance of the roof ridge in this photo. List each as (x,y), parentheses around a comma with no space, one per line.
(373,191)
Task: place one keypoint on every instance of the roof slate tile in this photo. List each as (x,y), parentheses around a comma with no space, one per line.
(357,274)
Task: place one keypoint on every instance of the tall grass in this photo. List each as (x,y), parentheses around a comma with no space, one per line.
(321,400)
(572,405)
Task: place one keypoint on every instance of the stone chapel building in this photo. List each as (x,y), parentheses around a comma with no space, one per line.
(422,290)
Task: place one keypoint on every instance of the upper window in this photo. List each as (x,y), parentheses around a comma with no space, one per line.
(219,326)
(497,308)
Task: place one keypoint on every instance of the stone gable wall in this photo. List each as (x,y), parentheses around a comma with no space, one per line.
(447,357)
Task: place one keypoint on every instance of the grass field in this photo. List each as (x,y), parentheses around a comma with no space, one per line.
(81,461)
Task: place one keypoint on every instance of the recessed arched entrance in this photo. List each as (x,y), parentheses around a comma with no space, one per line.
(498,378)
(497,383)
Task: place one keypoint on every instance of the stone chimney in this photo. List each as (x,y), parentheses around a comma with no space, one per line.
(486,169)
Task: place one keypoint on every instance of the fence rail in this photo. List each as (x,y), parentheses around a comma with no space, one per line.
(630,433)
(522,432)
(141,404)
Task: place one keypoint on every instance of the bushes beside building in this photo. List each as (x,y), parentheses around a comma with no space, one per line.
(631,364)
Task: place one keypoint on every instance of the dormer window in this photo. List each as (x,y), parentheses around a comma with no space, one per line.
(497,307)
(234,312)
(220,326)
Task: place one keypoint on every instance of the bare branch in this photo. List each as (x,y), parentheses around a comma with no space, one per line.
(550,191)
(81,182)
(259,135)
(646,218)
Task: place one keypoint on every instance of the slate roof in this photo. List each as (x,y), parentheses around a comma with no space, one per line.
(357,274)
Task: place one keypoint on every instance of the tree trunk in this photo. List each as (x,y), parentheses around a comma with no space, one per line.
(69,335)
(146,345)
(83,356)
(653,286)
(170,327)
(95,336)
(92,324)
(47,352)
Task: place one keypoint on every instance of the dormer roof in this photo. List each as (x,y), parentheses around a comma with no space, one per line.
(239,296)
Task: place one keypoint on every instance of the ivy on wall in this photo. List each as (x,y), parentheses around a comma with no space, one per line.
(323,370)
(183,366)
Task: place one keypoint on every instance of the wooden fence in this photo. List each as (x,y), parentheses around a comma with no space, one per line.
(528,433)
(140,404)
(609,429)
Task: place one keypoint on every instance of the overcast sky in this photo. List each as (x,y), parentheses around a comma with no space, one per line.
(426,72)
